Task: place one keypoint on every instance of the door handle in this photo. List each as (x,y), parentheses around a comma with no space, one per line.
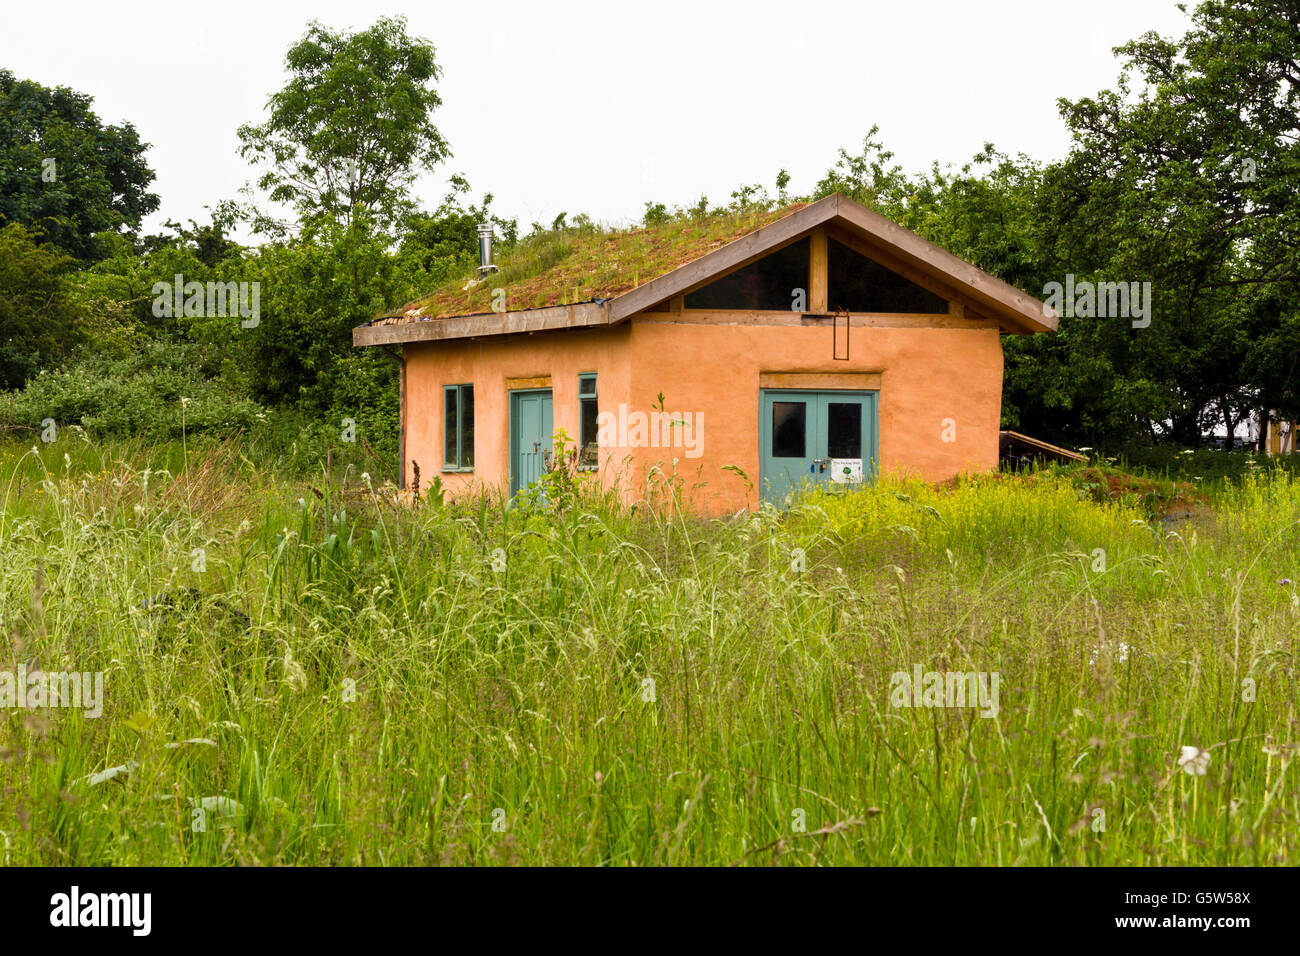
(820,464)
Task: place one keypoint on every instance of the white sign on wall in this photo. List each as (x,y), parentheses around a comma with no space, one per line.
(846,471)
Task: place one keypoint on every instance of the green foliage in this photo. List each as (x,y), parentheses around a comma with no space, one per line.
(637,689)
(40,321)
(159,391)
(98,180)
(869,177)
(315,289)
(351,130)
(656,214)
(1191,183)
(444,244)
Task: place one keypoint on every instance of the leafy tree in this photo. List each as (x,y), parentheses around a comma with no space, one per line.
(39,321)
(443,244)
(351,130)
(315,289)
(870,177)
(1190,181)
(65,173)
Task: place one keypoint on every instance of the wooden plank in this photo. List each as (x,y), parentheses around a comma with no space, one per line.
(817,276)
(859,381)
(535,381)
(584,314)
(1006,438)
(875,320)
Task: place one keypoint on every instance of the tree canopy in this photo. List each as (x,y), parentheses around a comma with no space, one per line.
(64,173)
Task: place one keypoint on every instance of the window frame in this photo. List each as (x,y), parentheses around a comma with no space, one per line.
(458,466)
(583,399)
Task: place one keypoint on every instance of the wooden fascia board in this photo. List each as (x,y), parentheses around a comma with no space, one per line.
(581,315)
(997,297)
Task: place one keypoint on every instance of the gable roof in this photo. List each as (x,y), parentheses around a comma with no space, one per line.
(583,267)
(598,281)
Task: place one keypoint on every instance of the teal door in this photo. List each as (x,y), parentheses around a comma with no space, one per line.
(530,436)
(808,438)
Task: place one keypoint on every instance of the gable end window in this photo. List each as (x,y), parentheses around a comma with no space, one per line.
(773,283)
(859,284)
(458,428)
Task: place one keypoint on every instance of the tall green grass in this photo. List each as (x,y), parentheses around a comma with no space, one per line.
(349,680)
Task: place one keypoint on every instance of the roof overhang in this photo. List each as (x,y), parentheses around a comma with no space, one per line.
(581,315)
(1013,311)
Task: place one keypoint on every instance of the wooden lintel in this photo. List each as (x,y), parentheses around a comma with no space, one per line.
(873,320)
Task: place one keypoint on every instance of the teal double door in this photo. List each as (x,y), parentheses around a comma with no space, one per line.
(531,426)
(809,438)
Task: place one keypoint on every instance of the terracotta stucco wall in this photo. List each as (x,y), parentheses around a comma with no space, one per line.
(927,376)
(487,365)
(935,384)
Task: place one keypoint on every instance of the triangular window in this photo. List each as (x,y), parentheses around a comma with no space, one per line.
(773,283)
(859,284)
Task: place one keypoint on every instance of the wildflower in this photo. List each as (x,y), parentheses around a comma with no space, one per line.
(1194,761)
(1284,581)
(184,402)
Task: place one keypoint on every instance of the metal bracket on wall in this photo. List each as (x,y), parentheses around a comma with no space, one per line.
(848,328)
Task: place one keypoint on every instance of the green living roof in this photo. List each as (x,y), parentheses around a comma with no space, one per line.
(584,264)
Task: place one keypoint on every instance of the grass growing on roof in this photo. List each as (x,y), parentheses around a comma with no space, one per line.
(349,680)
(583,263)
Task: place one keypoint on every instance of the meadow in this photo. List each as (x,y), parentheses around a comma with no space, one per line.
(312,669)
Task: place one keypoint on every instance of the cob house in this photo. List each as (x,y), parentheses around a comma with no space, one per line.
(747,355)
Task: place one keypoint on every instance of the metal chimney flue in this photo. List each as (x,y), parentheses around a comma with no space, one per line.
(485,264)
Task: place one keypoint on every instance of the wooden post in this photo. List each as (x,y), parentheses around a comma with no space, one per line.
(817,278)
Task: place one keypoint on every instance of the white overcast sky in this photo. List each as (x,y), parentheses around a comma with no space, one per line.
(600,106)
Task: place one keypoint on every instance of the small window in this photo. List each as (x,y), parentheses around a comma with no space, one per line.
(458,427)
(788,429)
(588,412)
